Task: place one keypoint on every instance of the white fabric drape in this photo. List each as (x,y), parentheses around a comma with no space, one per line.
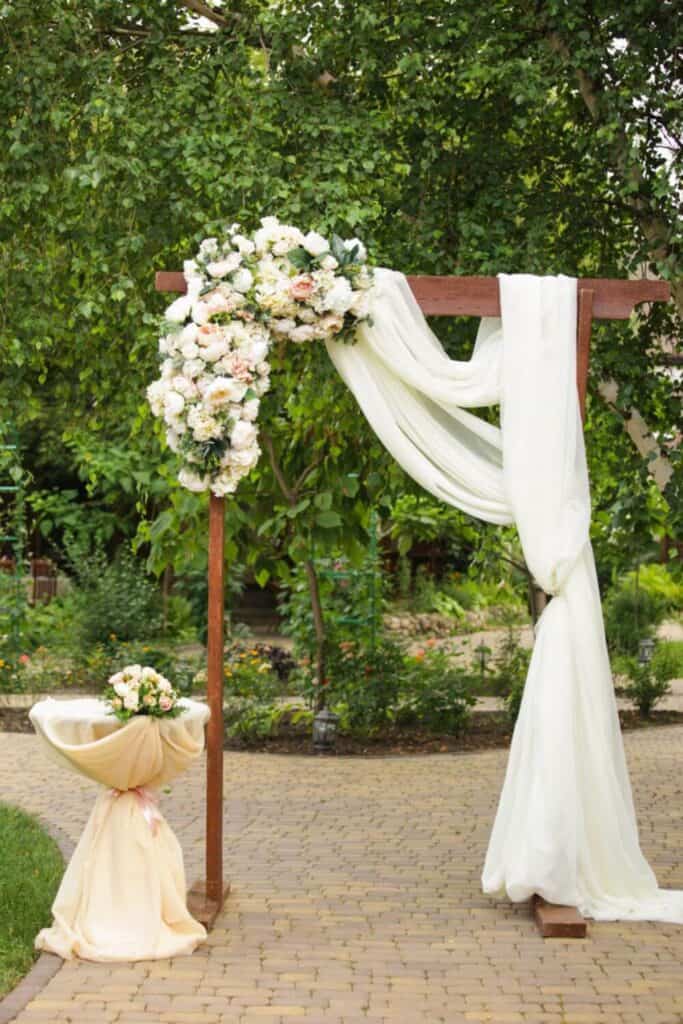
(565,826)
(123,894)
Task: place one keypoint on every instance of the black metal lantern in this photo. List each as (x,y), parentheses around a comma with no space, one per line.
(646,650)
(325,731)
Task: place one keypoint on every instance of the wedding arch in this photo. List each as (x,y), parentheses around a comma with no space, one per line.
(594,298)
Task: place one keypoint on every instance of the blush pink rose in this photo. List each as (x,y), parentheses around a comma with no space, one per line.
(301,287)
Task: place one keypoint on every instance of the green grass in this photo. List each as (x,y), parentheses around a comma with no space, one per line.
(31,867)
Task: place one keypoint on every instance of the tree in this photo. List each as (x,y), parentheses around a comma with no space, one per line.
(453,137)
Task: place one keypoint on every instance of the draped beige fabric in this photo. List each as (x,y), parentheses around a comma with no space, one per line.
(123,896)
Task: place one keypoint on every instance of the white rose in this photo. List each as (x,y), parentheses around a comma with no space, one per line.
(339,297)
(178,310)
(192,481)
(188,333)
(328,262)
(361,254)
(303,333)
(216,350)
(250,410)
(190,350)
(245,245)
(258,352)
(163,346)
(121,689)
(156,393)
(208,247)
(315,244)
(245,458)
(259,387)
(270,222)
(283,326)
(200,312)
(193,368)
(173,439)
(131,701)
(225,483)
(263,369)
(173,403)
(222,267)
(243,280)
(243,434)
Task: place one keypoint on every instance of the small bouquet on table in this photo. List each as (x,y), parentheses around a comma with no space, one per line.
(123,895)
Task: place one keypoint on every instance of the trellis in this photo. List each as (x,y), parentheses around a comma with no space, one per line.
(597,299)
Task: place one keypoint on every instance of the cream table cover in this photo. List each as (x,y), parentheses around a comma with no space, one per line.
(123,895)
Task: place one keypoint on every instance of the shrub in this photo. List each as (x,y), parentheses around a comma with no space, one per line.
(248,673)
(113,598)
(649,683)
(250,720)
(631,614)
(435,693)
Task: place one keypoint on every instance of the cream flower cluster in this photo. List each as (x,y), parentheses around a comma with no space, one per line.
(141,690)
(242,294)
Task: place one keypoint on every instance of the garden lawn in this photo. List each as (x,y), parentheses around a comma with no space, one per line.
(31,867)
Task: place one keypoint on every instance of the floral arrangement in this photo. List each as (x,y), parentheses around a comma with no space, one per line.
(244,294)
(141,690)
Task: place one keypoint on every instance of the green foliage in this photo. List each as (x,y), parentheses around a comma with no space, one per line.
(30,871)
(631,614)
(114,600)
(399,104)
(648,683)
(363,684)
(251,721)
(436,693)
(420,517)
(662,582)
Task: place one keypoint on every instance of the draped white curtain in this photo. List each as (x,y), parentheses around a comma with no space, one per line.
(565,826)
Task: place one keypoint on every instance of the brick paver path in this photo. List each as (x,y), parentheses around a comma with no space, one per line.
(356,899)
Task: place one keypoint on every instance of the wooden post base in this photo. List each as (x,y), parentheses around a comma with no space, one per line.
(558,922)
(202,907)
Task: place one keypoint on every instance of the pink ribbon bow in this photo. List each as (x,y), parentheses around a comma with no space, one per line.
(149,805)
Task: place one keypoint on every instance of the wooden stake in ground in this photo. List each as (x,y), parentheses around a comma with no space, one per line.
(598,299)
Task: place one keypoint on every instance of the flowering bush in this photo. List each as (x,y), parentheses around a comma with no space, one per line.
(249,674)
(138,690)
(243,293)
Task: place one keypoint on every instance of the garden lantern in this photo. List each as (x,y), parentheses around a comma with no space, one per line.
(325,731)
(645,651)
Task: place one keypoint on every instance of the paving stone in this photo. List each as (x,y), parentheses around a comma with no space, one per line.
(356,898)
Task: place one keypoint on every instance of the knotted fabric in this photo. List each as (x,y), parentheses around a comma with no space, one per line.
(123,895)
(565,826)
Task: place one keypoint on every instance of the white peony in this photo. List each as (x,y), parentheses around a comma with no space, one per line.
(178,310)
(243,434)
(224,390)
(203,426)
(173,403)
(339,297)
(250,410)
(315,244)
(192,481)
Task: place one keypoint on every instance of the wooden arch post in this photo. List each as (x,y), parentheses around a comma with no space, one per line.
(598,299)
